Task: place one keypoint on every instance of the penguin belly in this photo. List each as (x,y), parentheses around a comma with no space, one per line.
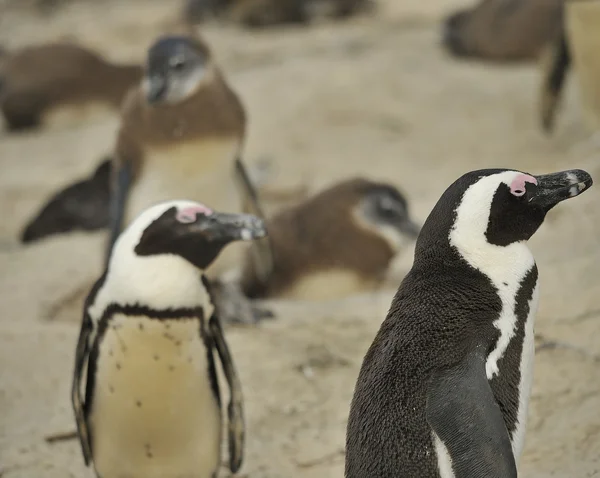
(198,171)
(75,112)
(328,285)
(154,412)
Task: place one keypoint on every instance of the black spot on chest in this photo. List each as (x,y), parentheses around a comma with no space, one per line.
(505,384)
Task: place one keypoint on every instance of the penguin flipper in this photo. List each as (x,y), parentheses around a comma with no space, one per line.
(235,409)
(554,74)
(81,356)
(80,206)
(460,399)
(261,250)
(118,202)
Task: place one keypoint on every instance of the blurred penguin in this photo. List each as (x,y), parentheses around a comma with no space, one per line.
(502,30)
(334,244)
(39,82)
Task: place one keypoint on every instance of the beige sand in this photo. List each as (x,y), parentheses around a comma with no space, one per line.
(373,96)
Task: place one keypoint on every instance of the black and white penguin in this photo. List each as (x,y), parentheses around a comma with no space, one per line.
(152,407)
(443,390)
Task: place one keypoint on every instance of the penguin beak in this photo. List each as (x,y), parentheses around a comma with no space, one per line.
(409,228)
(232,227)
(556,187)
(156,89)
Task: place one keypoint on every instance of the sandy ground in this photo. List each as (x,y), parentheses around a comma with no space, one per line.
(374,96)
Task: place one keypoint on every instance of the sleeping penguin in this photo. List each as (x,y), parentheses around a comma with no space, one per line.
(41,80)
(337,243)
(152,407)
(502,30)
(266,13)
(443,390)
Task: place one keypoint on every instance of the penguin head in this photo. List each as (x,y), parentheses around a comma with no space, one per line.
(384,210)
(184,229)
(176,68)
(497,207)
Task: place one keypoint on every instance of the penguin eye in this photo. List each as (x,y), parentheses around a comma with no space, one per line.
(178,63)
(387,207)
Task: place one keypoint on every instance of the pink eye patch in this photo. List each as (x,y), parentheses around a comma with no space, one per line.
(517,186)
(189,214)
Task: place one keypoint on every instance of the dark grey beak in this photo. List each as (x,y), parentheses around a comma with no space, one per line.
(556,187)
(409,228)
(233,227)
(157,87)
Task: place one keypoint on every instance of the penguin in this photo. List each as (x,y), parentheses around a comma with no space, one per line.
(264,13)
(39,81)
(180,132)
(80,206)
(502,30)
(575,47)
(311,250)
(555,68)
(443,390)
(151,406)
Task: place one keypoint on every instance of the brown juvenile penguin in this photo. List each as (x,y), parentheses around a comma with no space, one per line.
(262,13)
(340,241)
(502,30)
(576,47)
(180,132)
(37,81)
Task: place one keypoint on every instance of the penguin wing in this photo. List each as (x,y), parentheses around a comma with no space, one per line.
(463,413)
(81,356)
(235,410)
(554,74)
(261,250)
(80,206)
(121,185)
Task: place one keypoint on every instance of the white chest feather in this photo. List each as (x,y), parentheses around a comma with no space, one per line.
(154,412)
(72,113)
(526,365)
(198,171)
(328,285)
(443,457)
(505,267)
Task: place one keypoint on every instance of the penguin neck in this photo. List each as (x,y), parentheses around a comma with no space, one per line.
(501,264)
(159,282)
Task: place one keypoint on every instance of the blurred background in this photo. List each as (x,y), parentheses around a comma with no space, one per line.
(410,92)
